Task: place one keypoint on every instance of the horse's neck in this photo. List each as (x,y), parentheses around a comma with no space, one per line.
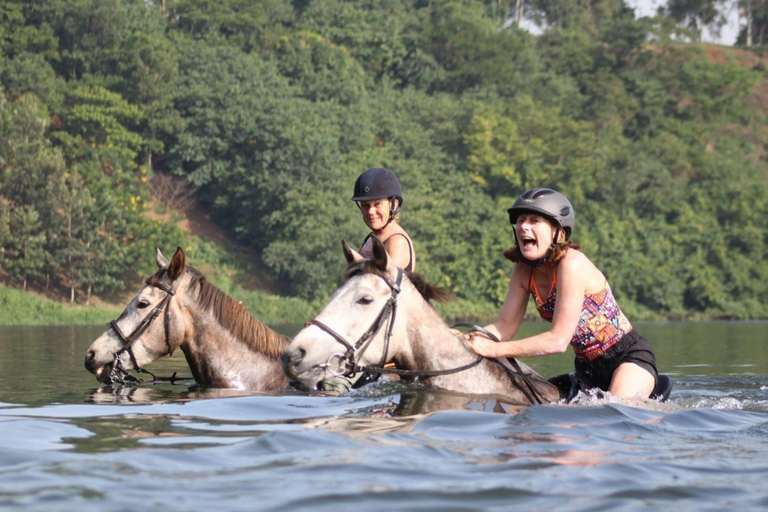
(218,356)
(258,339)
(432,345)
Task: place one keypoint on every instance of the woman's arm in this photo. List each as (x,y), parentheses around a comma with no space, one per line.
(513,310)
(573,274)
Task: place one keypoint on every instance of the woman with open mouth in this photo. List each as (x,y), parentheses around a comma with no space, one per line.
(571,293)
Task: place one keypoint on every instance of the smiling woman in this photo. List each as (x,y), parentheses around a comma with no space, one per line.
(379,196)
(577,299)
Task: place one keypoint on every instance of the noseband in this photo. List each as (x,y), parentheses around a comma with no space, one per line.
(119,373)
(389,310)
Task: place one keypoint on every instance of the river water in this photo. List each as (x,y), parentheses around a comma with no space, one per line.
(67,443)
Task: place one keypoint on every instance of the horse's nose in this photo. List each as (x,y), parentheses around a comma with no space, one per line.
(90,361)
(291,358)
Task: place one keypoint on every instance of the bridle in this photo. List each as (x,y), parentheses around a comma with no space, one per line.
(348,365)
(354,352)
(120,374)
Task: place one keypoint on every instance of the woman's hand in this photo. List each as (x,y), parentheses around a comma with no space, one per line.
(482,345)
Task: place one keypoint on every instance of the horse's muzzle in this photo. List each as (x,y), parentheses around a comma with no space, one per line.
(291,360)
(103,373)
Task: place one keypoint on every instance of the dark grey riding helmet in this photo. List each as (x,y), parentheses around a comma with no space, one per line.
(377,183)
(549,203)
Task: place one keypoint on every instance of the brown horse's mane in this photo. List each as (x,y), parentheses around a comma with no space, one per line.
(428,291)
(232,315)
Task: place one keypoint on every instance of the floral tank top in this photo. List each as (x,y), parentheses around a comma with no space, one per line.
(601,324)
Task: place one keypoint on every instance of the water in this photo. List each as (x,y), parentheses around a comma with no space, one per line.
(68,444)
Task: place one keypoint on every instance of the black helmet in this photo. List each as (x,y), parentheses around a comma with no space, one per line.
(377,183)
(547,202)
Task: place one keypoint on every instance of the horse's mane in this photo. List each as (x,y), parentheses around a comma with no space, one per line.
(232,315)
(428,291)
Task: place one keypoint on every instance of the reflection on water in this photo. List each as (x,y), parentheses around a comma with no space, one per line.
(67,443)
(149,393)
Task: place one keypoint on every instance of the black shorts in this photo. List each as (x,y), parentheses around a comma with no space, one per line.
(632,348)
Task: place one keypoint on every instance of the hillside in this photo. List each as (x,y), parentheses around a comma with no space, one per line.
(265,117)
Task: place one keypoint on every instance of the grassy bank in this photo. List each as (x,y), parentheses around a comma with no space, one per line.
(23,308)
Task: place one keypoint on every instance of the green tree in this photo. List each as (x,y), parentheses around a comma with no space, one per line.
(25,255)
(755,31)
(90,34)
(252,26)
(698,15)
(321,69)
(474,51)
(383,36)
(5,228)
(149,68)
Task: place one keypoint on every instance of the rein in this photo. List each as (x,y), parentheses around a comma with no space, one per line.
(510,365)
(389,310)
(120,374)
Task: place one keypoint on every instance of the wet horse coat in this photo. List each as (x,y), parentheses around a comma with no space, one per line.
(420,340)
(178,308)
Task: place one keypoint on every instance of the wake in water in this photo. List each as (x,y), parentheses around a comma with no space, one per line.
(596,397)
(740,394)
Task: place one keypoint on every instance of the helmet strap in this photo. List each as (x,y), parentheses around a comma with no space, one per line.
(392,210)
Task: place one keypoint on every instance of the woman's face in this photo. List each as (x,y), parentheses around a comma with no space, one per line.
(375,213)
(535,235)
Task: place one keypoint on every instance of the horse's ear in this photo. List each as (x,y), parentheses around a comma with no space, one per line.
(160,259)
(176,267)
(350,253)
(380,255)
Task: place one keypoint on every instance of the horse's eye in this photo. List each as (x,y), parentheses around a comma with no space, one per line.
(365,300)
(142,304)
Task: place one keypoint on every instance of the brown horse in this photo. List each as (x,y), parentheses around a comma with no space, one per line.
(224,346)
(382,315)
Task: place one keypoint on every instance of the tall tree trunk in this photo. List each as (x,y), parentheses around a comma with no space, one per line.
(519,11)
(24,284)
(749,23)
(70,263)
(88,264)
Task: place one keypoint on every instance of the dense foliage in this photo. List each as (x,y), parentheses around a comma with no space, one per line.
(271,108)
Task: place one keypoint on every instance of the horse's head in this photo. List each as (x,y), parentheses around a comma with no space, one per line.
(363,324)
(149,328)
